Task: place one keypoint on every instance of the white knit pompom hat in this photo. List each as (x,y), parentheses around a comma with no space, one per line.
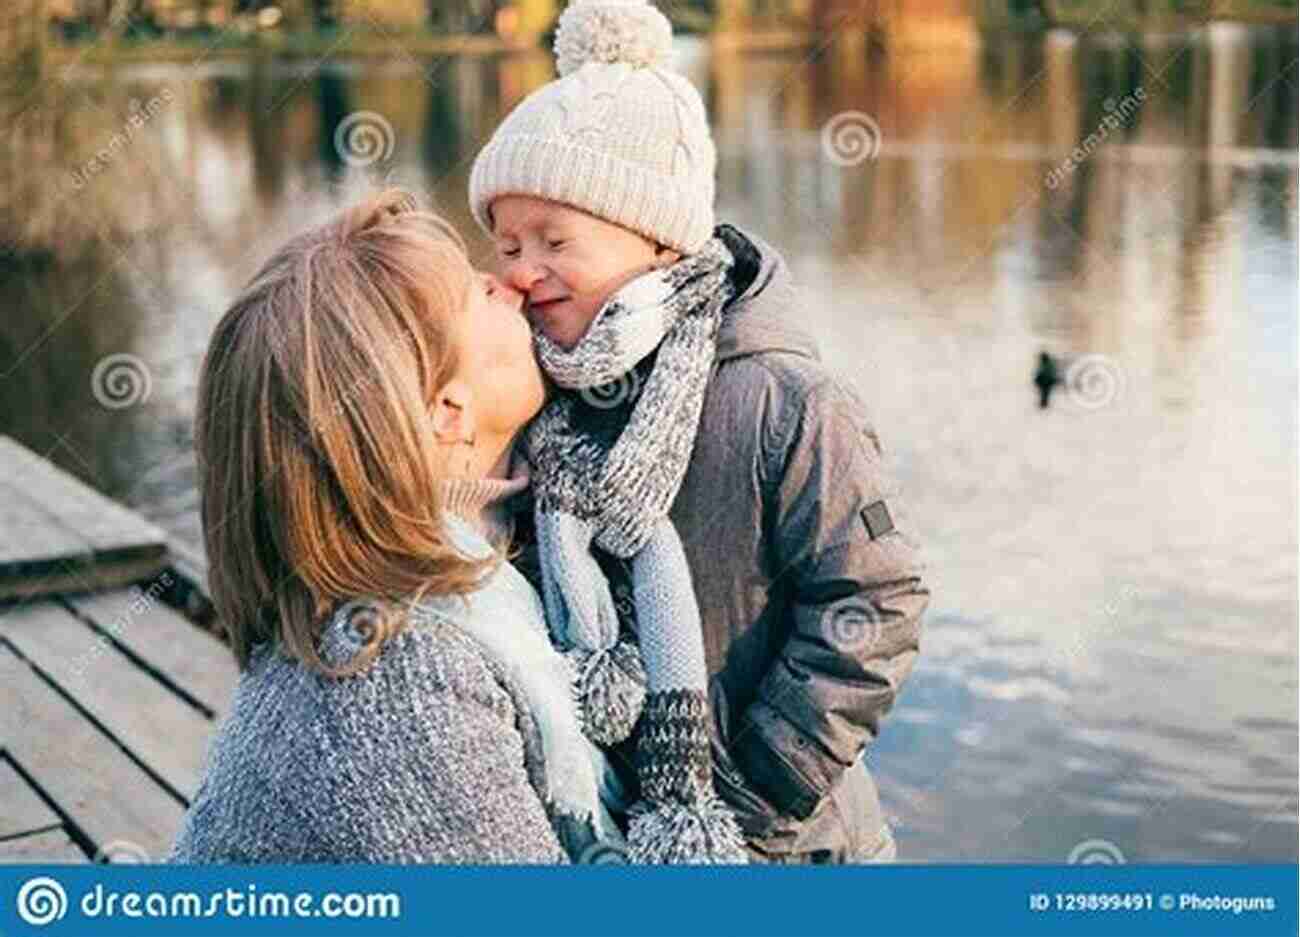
(618,134)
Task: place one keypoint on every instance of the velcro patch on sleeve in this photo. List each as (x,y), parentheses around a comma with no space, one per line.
(876,516)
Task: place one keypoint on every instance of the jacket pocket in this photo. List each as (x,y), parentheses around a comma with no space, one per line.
(757,817)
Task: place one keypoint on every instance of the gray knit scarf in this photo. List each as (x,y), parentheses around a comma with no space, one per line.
(610,455)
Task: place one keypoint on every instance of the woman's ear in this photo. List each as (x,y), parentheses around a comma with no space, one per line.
(453,413)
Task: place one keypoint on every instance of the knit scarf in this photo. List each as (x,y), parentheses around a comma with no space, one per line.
(571,776)
(609,456)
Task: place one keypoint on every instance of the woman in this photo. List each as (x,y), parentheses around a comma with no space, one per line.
(399,700)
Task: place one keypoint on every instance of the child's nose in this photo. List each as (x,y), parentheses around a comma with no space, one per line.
(522,274)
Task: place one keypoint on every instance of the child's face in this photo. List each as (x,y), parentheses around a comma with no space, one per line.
(564,261)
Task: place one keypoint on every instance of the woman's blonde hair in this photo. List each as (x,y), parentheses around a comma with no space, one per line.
(318,468)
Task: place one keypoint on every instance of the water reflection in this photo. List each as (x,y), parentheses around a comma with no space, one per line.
(1112,649)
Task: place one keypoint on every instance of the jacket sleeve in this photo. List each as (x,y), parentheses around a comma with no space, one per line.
(857,602)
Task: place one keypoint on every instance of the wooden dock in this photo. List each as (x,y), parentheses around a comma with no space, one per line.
(108,694)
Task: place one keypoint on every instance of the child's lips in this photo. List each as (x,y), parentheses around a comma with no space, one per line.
(545,307)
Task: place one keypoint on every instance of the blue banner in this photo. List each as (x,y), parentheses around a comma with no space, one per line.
(964,900)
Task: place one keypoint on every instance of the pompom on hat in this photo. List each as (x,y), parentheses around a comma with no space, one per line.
(619,134)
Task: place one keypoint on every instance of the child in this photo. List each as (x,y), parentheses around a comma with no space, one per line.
(696,432)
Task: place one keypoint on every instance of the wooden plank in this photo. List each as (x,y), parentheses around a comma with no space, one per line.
(191,562)
(104,523)
(163,731)
(34,581)
(33,535)
(50,846)
(91,780)
(21,810)
(63,534)
(183,653)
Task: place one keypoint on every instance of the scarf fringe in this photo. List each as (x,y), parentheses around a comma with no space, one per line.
(702,833)
(609,690)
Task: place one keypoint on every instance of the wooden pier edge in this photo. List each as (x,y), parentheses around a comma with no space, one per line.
(112,676)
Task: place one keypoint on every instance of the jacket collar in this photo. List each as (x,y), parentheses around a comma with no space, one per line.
(762,317)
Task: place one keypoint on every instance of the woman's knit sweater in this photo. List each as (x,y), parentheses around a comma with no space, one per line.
(429,755)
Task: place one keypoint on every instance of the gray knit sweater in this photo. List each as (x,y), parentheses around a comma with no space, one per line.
(419,759)
(430,755)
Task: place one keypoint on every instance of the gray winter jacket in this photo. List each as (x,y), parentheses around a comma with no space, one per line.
(810,595)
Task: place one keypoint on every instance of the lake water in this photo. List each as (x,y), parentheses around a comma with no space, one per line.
(1109,662)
